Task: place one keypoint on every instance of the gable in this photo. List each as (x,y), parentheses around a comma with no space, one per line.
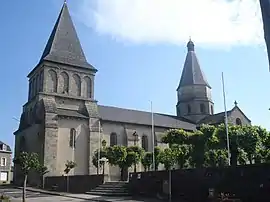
(237,113)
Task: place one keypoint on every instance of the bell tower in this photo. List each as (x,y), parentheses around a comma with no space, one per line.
(193,92)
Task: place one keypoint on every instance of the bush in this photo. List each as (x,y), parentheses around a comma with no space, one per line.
(4,198)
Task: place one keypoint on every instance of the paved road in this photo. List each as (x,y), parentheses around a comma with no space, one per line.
(16,195)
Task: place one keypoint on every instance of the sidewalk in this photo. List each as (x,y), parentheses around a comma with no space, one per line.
(84,196)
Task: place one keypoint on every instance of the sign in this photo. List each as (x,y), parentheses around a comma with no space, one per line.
(3,176)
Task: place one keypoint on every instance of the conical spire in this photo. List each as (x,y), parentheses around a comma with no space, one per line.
(63,45)
(192,73)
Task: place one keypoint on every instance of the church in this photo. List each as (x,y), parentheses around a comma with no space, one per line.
(62,120)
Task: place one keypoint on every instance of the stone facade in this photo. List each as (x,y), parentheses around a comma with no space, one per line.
(62,120)
(5,164)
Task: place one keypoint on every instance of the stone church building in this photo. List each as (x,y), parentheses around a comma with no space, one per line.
(61,117)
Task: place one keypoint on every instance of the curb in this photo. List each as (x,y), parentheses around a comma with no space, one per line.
(64,195)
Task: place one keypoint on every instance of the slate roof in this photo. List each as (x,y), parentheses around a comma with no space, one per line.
(192,73)
(215,118)
(63,45)
(8,147)
(116,114)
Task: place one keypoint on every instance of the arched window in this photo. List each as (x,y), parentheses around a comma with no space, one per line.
(77,85)
(188,109)
(52,81)
(202,108)
(238,122)
(113,139)
(72,138)
(87,87)
(145,142)
(212,109)
(64,83)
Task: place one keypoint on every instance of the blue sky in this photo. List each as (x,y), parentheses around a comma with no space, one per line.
(140,53)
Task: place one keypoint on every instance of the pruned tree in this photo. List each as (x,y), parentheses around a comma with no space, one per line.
(147,161)
(182,153)
(138,155)
(117,156)
(69,166)
(167,158)
(27,162)
(42,170)
(97,157)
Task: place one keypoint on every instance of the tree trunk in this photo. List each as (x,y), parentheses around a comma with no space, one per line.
(135,168)
(24,188)
(250,159)
(122,173)
(43,182)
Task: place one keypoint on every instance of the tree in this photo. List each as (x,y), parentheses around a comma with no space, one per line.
(42,170)
(117,156)
(157,152)
(197,140)
(167,158)
(250,142)
(69,166)
(138,155)
(27,162)
(175,136)
(103,154)
(181,153)
(147,160)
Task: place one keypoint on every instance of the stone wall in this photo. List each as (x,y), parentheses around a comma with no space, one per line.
(77,183)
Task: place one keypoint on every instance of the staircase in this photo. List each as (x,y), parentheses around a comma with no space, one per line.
(111,189)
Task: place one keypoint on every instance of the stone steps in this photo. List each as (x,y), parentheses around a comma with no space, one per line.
(111,189)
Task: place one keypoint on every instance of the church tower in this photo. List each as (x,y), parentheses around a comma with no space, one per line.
(61,111)
(193,92)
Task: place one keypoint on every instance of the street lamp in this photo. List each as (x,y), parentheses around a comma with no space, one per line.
(135,135)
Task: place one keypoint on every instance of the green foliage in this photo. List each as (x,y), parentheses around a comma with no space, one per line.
(4,198)
(69,166)
(167,157)
(103,154)
(27,161)
(147,160)
(42,170)
(182,153)
(157,152)
(208,145)
(117,155)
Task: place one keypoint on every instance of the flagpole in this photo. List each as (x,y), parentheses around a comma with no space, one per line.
(226,121)
(98,146)
(153,135)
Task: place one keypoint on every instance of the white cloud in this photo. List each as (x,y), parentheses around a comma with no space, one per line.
(208,22)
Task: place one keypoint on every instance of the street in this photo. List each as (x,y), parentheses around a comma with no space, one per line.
(16,195)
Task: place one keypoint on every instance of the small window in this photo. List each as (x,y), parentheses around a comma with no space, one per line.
(113,139)
(238,122)
(3,161)
(145,143)
(189,109)
(72,138)
(202,108)
(212,109)
(4,147)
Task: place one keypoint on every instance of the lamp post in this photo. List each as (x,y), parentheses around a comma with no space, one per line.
(135,135)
